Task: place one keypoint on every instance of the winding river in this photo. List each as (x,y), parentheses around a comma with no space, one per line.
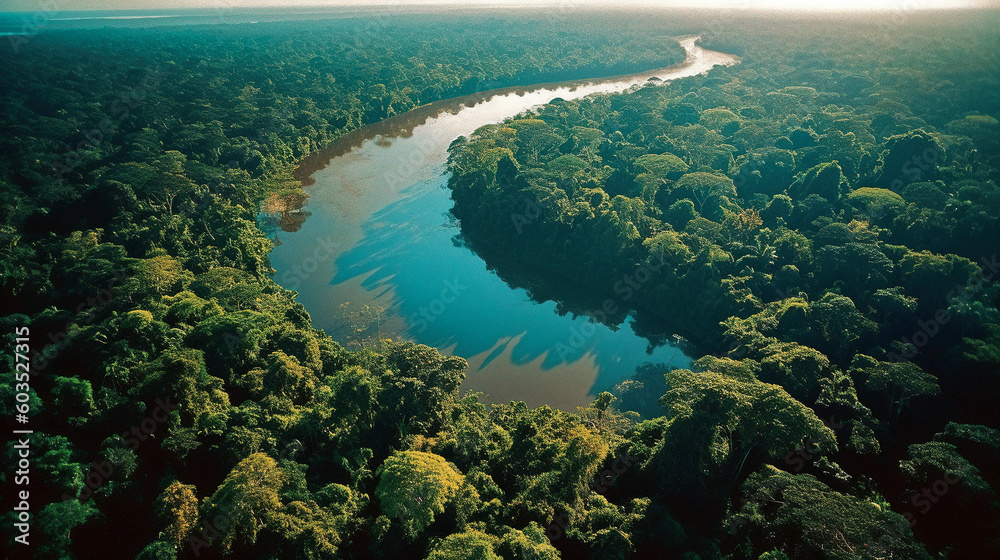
(379,235)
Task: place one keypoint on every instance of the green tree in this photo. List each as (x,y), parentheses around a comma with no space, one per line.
(908,158)
(805,518)
(73,397)
(231,342)
(768,171)
(468,545)
(55,522)
(897,382)
(937,460)
(719,423)
(826,180)
(414,486)
(178,505)
(931,278)
(875,201)
(530,542)
(245,501)
(663,166)
(706,188)
(796,368)
(158,550)
(536,138)
(307,528)
(566,165)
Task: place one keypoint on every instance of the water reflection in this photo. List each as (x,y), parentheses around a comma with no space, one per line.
(410,259)
(381,234)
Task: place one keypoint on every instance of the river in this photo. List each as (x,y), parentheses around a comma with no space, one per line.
(376,232)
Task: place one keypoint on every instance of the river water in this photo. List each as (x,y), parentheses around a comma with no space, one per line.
(376,232)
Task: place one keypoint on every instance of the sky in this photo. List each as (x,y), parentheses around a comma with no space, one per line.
(902,5)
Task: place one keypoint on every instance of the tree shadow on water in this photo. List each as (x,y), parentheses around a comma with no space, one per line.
(454,297)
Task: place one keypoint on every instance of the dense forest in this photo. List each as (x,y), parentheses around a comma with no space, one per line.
(828,219)
(824,213)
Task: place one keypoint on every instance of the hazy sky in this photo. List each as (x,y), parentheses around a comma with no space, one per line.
(69,5)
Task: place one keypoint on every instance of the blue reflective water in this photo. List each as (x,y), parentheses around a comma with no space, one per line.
(380,235)
(449,299)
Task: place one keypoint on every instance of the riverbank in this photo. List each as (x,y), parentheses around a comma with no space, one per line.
(378,199)
(287,203)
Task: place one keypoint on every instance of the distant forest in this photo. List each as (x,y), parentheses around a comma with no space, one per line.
(820,223)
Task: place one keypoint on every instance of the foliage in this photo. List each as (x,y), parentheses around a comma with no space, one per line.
(811,219)
(804,518)
(414,486)
(811,215)
(245,499)
(179,505)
